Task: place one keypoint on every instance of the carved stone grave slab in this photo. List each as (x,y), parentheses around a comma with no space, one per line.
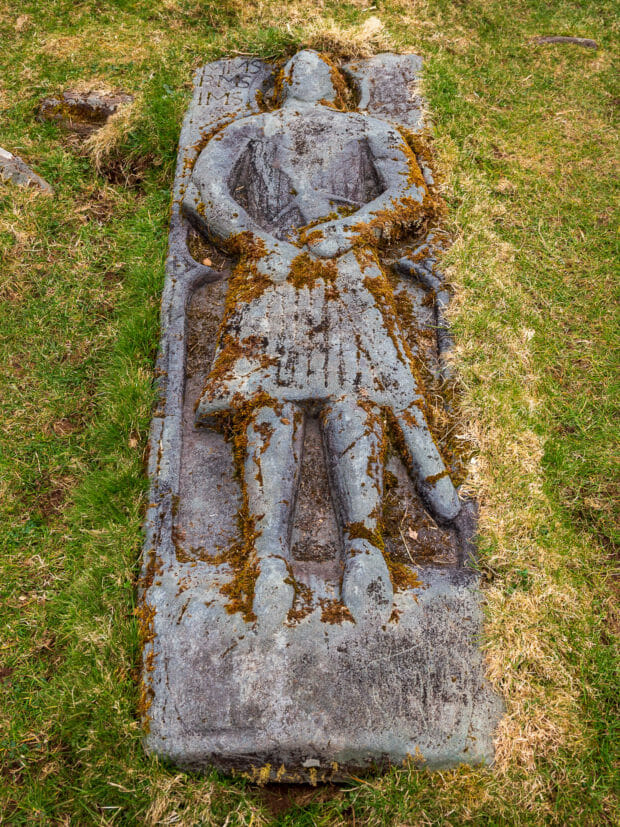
(307,606)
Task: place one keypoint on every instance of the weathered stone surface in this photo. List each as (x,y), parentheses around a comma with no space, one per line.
(83,112)
(388,88)
(281,638)
(333,697)
(14,169)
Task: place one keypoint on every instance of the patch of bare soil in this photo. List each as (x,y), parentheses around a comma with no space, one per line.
(279,799)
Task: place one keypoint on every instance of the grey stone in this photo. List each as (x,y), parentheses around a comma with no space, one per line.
(12,168)
(83,112)
(348,697)
(389,88)
(280,638)
(586,42)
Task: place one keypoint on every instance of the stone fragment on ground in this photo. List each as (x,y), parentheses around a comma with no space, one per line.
(13,169)
(83,112)
(586,42)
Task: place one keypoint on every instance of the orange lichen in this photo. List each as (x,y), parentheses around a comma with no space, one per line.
(434,478)
(153,567)
(146,629)
(404,309)
(192,152)
(334,611)
(304,230)
(394,617)
(277,96)
(313,235)
(259,97)
(391,223)
(231,350)
(402,576)
(305,271)
(380,289)
(359,531)
(302,601)
(245,568)
(343,93)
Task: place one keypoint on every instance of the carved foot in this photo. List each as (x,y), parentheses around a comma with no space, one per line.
(366,586)
(442,498)
(273,596)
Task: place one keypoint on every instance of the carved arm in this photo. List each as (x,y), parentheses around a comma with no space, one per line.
(399,205)
(208,202)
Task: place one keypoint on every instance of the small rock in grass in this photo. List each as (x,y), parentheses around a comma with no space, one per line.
(14,169)
(82,112)
(577,41)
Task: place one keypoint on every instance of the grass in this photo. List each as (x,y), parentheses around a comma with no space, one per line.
(524,138)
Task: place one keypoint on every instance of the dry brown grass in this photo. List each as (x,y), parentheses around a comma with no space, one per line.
(102,144)
(348,43)
(526,659)
(316,28)
(122,45)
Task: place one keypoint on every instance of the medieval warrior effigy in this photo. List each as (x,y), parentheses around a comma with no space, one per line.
(292,456)
(304,194)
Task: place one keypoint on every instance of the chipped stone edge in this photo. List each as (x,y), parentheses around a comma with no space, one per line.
(13,169)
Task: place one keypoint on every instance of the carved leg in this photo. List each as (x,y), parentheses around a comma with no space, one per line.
(426,463)
(354,445)
(271,477)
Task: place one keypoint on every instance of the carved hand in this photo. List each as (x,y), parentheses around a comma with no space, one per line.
(277,263)
(333,241)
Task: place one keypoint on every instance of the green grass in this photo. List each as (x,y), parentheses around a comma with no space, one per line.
(524,136)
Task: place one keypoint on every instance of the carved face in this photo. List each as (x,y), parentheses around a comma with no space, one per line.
(307,77)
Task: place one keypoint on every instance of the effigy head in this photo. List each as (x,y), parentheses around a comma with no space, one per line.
(308,77)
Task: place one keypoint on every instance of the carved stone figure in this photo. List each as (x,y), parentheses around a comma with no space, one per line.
(307,610)
(303,195)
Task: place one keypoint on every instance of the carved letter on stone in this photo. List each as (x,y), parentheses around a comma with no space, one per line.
(292,631)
